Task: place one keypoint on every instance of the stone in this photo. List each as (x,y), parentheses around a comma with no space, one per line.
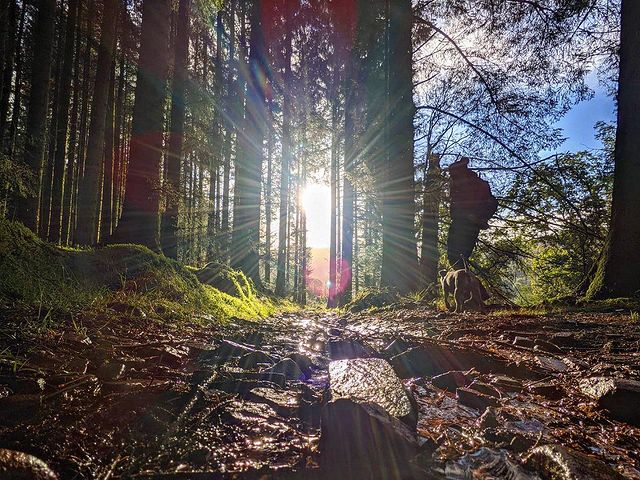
(452,380)
(548,390)
(362,441)
(619,397)
(523,342)
(488,419)
(16,465)
(77,365)
(110,371)
(303,362)
(486,389)
(474,399)
(545,346)
(226,351)
(556,462)
(372,380)
(396,347)
(266,376)
(431,359)
(251,360)
(347,349)
(288,368)
(284,402)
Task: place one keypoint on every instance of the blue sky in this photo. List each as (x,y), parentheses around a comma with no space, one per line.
(578,123)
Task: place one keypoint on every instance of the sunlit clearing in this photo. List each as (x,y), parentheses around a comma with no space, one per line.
(316,202)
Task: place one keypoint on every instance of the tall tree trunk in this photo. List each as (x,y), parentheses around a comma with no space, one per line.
(36,126)
(9,52)
(72,155)
(246,221)
(119,140)
(617,274)
(48,178)
(216,159)
(229,99)
(333,251)
(62,124)
(429,254)
(140,214)
(89,188)
(176,136)
(268,201)
(286,159)
(17,89)
(106,228)
(399,252)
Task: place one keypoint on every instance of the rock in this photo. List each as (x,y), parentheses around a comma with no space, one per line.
(547,389)
(556,462)
(396,347)
(372,380)
(347,349)
(618,396)
(488,419)
(226,351)
(284,402)
(452,380)
(433,359)
(486,463)
(303,362)
(266,376)
(288,368)
(170,357)
(362,441)
(110,371)
(474,399)
(545,346)
(22,466)
(251,360)
(485,389)
(550,363)
(523,342)
(77,365)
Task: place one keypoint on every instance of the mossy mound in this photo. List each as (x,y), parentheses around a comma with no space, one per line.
(39,275)
(372,299)
(226,279)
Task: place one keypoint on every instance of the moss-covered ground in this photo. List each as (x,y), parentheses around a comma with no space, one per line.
(51,281)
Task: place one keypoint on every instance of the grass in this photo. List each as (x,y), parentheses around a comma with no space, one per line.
(52,282)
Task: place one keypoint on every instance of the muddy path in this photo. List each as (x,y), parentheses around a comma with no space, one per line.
(489,397)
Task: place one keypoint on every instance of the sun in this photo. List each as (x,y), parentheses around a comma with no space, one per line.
(316,202)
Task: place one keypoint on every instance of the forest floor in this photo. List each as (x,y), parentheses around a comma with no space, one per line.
(126,396)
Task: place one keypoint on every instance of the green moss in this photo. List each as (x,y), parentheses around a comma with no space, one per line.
(35,274)
(368,299)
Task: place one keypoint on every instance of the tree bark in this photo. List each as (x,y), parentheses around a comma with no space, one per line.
(9,52)
(140,215)
(281,274)
(429,254)
(176,136)
(617,274)
(62,125)
(399,250)
(36,125)
(89,189)
(246,219)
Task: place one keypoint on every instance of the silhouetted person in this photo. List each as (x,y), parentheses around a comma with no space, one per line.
(472,205)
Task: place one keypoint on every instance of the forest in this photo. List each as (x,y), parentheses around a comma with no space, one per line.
(368,239)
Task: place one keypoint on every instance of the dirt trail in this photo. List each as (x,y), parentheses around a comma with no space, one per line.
(136,398)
